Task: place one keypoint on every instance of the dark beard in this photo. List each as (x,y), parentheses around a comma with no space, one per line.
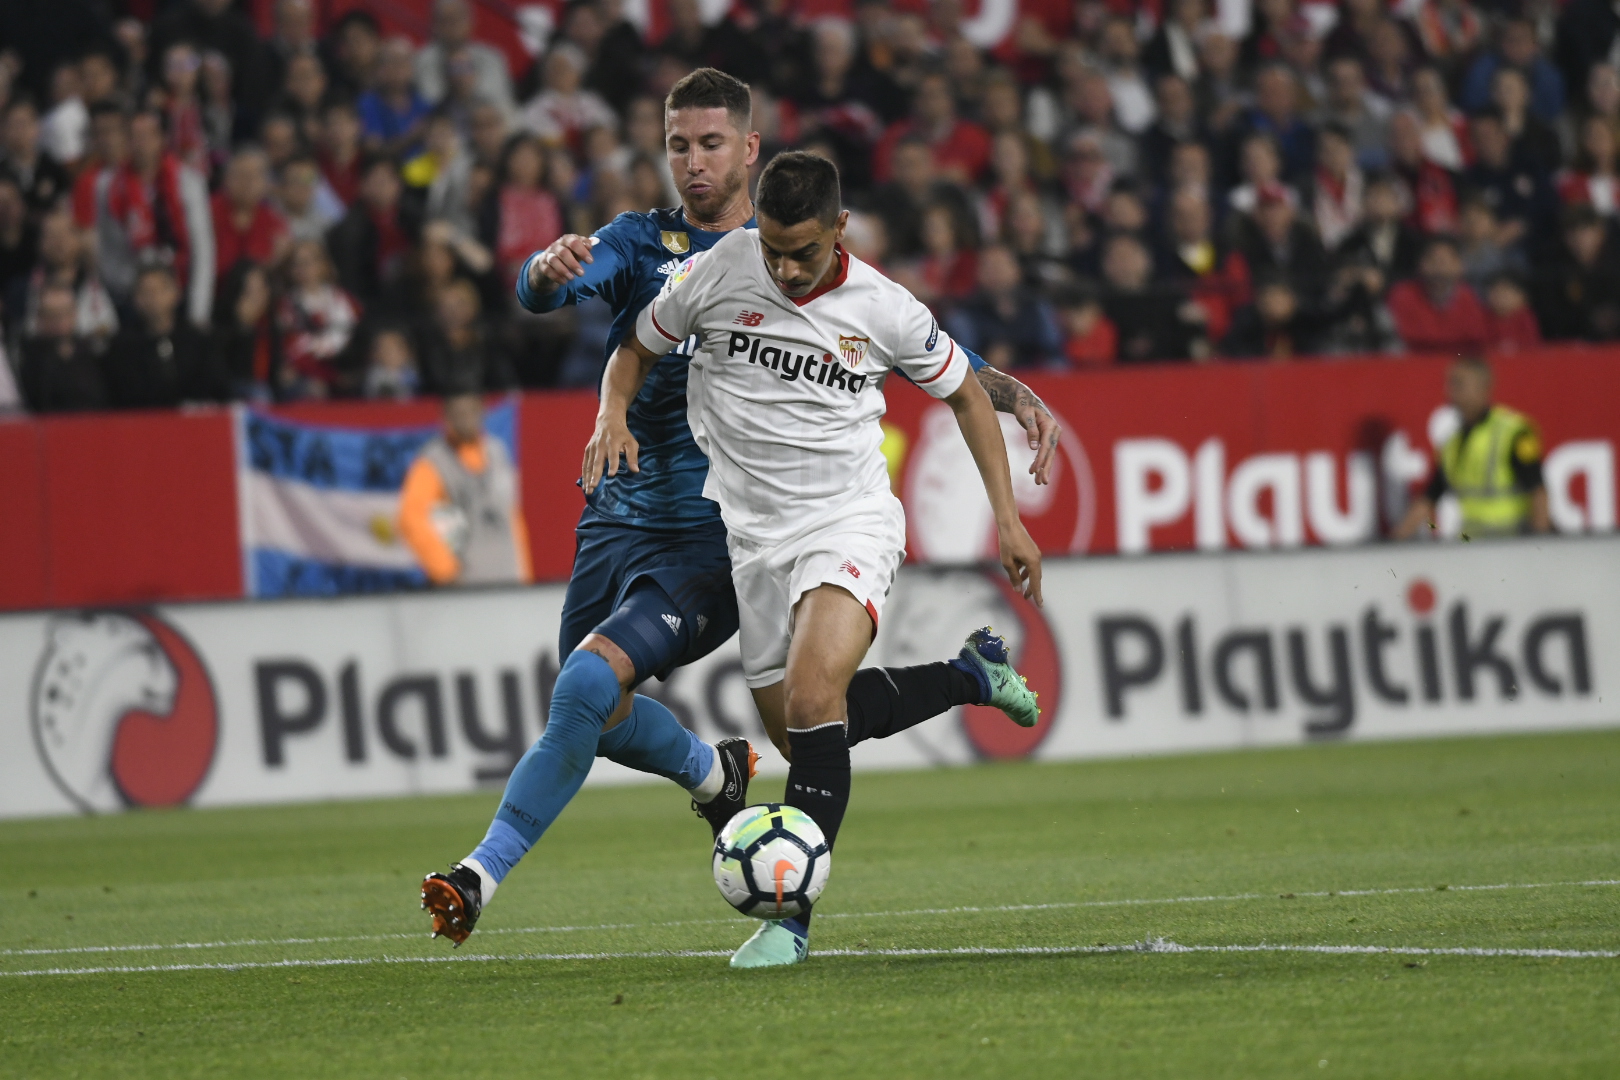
(719,196)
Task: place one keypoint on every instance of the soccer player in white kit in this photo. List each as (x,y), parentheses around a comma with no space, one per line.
(785,397)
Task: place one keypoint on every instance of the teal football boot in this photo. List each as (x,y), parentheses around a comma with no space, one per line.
(986,653)
(773,945)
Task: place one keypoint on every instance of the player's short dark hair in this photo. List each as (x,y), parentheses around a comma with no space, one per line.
(711,88)
(797,186)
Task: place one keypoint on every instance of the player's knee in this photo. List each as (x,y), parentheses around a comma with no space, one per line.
(813,703)
(587,691)
(624,668)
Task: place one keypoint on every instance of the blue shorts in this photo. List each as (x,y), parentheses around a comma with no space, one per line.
(690,565)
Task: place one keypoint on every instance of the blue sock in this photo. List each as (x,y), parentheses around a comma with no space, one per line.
(550,774)
(652,740)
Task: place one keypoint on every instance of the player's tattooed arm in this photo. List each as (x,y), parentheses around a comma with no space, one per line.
(1009,395)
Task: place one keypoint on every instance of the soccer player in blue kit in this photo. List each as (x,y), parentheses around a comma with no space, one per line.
(651,588)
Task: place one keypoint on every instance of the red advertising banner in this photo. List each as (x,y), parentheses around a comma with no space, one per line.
(137,507)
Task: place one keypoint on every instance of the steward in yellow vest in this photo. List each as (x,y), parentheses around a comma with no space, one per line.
(1492,464)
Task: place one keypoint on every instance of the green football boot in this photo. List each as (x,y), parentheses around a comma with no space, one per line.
(986,653)
(773,945)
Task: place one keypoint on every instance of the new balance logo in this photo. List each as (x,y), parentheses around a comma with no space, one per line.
(851,569)
(673,622)
(749,318)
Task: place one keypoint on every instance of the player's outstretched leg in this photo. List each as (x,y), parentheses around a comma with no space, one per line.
(887,701)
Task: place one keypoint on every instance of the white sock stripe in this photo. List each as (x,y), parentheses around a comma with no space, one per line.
(818,727)
(1153,946)
(961,910)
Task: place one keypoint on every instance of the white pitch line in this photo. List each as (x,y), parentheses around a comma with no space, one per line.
(965,910)
(1157,946)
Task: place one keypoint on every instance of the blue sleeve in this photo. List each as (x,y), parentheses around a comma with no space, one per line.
(609,259)
(975,362)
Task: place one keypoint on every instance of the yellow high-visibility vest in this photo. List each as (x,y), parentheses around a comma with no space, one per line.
(1480,470)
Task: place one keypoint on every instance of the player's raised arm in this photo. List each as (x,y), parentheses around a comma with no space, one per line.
(976,416)
(627,369)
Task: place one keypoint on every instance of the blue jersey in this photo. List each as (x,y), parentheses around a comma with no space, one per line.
(636,253)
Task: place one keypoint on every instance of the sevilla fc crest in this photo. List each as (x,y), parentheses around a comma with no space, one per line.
(853,349)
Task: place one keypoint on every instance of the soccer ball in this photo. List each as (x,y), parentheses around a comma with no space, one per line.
(771,861)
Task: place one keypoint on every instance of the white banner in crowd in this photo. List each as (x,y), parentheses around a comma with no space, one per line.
(218,704)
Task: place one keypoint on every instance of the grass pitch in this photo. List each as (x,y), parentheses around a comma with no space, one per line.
(286,942)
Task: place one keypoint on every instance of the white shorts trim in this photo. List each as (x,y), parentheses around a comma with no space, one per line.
(859,550)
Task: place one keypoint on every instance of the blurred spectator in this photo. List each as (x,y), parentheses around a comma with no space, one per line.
(1276,242)
(392,113)
(1578,297)
(56,370)
(1384,240)
(63,264)
(1153,322)
(219,112)
(369,246)
(948,268)
(1216,279)
(1586,37)
(66,123)
(351,50)
(99,80)
(245,344)
(1436,312)
(1480,244)
(1363,114)
(219,26)
(1509,322)
(1442,129)
(1275,326)
(1173,48)
(1261,166)
(1005,322)
(19,239)
(315,320)
(1491,463)
(1430,192)
(1531,138)
(457,350)
(488,132)
(41,179)
(303,94)
(612,47)
(304,200)
(292,36)
(960,147)
(1176,123)
(453,33)
(459,509)
(1337,187)
(1515,190)
(155,205)
(901,201)
(521,217)
(564,111)
(246,225)
(443,172)
(1389,60)
(1276,113)
(182,107)
(391,374)
(339,151)
(1133,100)
(161,360)
(840,101)
(1516,47)
(1448,30)
(1593,181)
(1090,339)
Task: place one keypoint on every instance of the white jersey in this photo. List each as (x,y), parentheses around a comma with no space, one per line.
(785,395)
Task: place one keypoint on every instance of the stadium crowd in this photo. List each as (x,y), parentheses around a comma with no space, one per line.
(192,211)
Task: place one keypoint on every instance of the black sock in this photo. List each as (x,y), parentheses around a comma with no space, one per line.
(887,701)
(818,783)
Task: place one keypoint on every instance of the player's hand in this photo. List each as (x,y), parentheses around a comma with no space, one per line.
(1022,560)
(611,438)
(563,261)
(1044,432)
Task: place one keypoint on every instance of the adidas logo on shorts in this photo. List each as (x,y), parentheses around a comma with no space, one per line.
(673,622)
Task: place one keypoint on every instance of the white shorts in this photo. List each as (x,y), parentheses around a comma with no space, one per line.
(859,551)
